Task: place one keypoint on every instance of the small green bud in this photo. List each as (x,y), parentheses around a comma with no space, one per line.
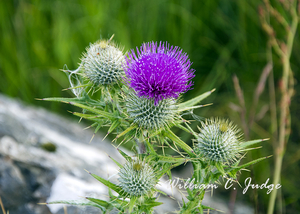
(218,141)
(137,178)
(103,63)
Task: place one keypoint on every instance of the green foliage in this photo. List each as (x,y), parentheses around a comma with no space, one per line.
(40,36)
(138,177)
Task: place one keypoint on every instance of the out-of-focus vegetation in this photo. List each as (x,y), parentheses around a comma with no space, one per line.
(222,38)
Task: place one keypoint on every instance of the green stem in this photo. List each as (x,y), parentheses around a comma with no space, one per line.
(279,153)
(278,164)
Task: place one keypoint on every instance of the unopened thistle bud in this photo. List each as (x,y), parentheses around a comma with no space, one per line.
(137,178)
(149,115)
(103,63)
(218,141)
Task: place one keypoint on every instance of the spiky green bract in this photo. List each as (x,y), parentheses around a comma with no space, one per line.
(149,115)
(137,178)
(103,63)
(218,141)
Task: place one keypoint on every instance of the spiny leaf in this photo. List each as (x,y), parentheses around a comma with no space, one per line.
(114,125)
(133,126)
(252,142)
(62,99)
(116,162)
(154,134)
(195,100)
(165,169)
(192,107)
(152,204)
(99,202)
(107,183)
(235,170)
(170,159)
(188,130)
(210,208)
(94,110)
(150,147)
(85,116)
(168,133)
(220,168)
(127,157)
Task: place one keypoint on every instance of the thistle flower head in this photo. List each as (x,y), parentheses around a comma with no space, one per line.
(146,114)
(159,71)
(137,178)
(218,141)
(103,63)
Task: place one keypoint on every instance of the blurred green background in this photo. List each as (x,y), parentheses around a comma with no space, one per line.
(222,38)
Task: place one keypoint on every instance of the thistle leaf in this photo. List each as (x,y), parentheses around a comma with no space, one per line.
(220,168)
(107,183)
(153,204)
(170,159)
(252,142)
(194,101)
(114,125)
(236,169)
(64,100)
(116,162)
(133,126)
(209,208)
(99,202)
(127,157)
(94,110)
(168,133)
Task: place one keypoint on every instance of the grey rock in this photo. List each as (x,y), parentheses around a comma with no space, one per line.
(30,175)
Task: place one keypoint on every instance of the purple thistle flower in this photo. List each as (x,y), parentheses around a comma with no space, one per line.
(159,72)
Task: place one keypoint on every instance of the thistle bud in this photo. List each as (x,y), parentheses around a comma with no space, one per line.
(218,141)
(149,115)
(103,63)
(137,178)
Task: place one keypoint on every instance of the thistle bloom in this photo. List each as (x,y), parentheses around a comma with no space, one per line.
(103,63)
(137,178)
(218,141)
(159,71)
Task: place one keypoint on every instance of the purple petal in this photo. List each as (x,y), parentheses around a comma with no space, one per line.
(159,71)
